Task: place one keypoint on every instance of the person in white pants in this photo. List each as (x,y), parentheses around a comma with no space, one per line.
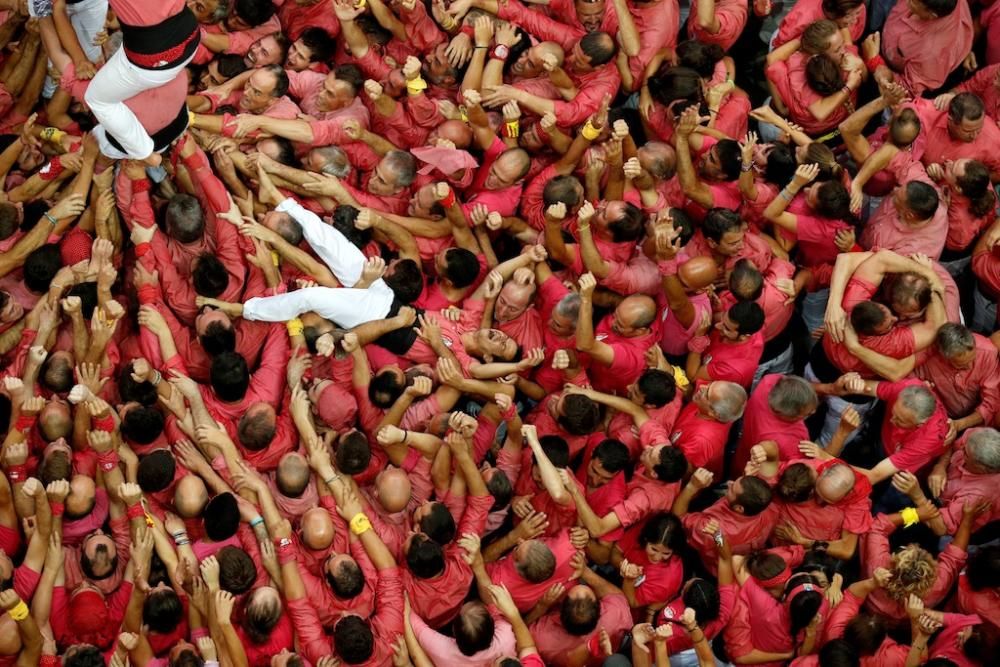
(116,82)
(344,306)
(87,18)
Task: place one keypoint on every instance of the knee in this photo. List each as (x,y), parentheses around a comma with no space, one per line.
(92,98)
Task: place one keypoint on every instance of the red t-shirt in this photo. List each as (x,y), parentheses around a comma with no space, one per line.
(703,441)
(911,449)
(760,423)
(734,361)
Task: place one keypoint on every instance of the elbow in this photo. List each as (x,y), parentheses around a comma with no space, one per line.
(562,497)
(895,374)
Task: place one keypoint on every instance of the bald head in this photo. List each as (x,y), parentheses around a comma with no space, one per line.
(81,496)
(698,272)
(190,496)
(456,132)
(55,421)
(293,475)
(317,529)
(637,312)
(835,483)
(393,487)
(659,159)
(513,300)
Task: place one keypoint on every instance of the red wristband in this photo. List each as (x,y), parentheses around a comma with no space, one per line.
(51,171)
(874,63)
(449,199)
(106,424)
(107,460)
(509,413)
(57,508)
(135,511)
(49,661)
(17,473)
(286,551)
(24,423)
(148,293)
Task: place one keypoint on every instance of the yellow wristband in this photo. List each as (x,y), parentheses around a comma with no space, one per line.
(294,327)
(513,128)
(680,378)
(416,86)
(910,516)
(358,4)
(53,134)
(19,611)
(275,258)
(360,523)
(448,22)
(191,116)
(590,132)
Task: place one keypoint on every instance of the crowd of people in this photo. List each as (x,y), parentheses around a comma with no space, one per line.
(499,333)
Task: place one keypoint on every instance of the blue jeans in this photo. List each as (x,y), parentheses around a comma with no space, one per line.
(984,318)
(835,407)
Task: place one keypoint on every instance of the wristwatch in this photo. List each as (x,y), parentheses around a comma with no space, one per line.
(500,52)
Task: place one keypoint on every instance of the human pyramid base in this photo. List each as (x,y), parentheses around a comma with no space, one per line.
(499,333)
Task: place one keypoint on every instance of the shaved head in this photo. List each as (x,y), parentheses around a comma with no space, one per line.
(698,272)
(456,132)
(835,483)
(81,498)
(190,496)
(317,529)
(638,311)
(55,420)
(393,487)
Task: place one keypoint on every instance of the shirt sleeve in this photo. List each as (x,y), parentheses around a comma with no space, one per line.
(631,510)
(540,25)
(388,619)
(268,383)
(587,100)
(308,630)
(950,563)
(876,545)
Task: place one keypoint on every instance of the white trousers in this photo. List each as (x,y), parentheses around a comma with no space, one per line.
(116,82)
(345,306)
(87,18)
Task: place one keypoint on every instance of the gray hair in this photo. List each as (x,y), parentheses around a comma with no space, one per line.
(335,162)
(983,447)
(954,339)
(732,398)
(403,166)
(920,401)
(569,306)
(791,397)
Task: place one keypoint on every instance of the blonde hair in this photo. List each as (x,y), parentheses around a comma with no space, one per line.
(914,571)
(823,156)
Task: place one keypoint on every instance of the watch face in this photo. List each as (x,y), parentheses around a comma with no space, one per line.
(502,51)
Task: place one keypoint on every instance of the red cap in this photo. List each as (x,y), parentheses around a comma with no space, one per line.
(75,246)
(89,620)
